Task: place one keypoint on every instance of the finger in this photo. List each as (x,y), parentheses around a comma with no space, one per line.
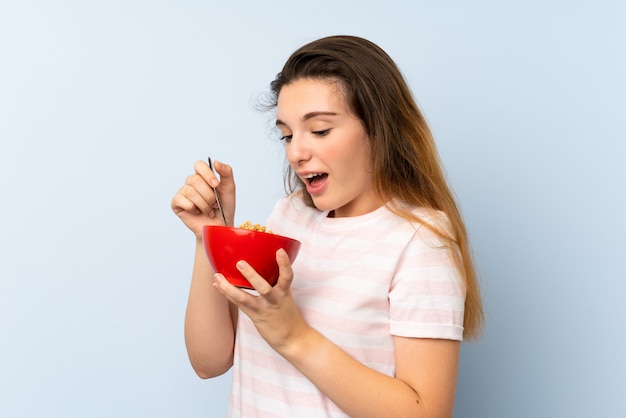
(187,198)
(227,180)
(181,203)
(232,293)
(201,190)
(226,189)
(204,171)
(224,185)
(256,280)
(200,200)
(285,271)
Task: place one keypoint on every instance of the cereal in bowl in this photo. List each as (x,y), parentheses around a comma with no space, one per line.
(254,227)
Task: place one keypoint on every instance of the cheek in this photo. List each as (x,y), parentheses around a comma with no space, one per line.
(360,156)
(355,168)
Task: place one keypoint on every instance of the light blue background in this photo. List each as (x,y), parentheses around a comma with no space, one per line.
(105,105)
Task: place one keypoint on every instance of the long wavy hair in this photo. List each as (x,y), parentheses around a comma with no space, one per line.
(406,167)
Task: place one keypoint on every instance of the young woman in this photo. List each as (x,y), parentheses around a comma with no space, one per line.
(368,320)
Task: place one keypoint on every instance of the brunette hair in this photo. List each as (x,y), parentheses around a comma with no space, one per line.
(406,167)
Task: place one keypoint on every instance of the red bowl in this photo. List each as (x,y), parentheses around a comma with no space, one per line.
(225,246)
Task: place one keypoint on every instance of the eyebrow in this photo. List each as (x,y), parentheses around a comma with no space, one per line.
(308,116)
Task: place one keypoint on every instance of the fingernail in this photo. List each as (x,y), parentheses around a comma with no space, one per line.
(281,253)
(241,264)
(214,183)
(218,277)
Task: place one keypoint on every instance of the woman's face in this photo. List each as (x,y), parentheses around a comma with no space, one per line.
(326,145)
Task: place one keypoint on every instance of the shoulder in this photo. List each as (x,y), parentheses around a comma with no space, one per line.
(428,224)
(427,292)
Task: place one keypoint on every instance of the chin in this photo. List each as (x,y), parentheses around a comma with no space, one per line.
(321,205)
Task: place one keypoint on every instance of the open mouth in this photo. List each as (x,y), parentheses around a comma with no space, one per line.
(314,178)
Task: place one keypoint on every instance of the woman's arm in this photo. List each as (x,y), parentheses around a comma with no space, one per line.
(424,386)
(210,319)
(426,369)
(210,322)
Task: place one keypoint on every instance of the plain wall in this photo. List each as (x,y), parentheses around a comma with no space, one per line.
(106,105)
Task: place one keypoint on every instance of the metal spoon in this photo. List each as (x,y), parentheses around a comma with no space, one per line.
(217,196)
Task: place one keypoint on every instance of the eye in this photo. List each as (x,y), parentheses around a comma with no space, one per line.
(286,138)
(323,132)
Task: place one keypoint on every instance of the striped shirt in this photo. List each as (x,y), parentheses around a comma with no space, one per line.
(359,281)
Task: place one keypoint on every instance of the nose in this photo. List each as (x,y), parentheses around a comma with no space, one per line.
(297,150)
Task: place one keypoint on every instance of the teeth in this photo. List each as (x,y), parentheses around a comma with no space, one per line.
(310,176)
